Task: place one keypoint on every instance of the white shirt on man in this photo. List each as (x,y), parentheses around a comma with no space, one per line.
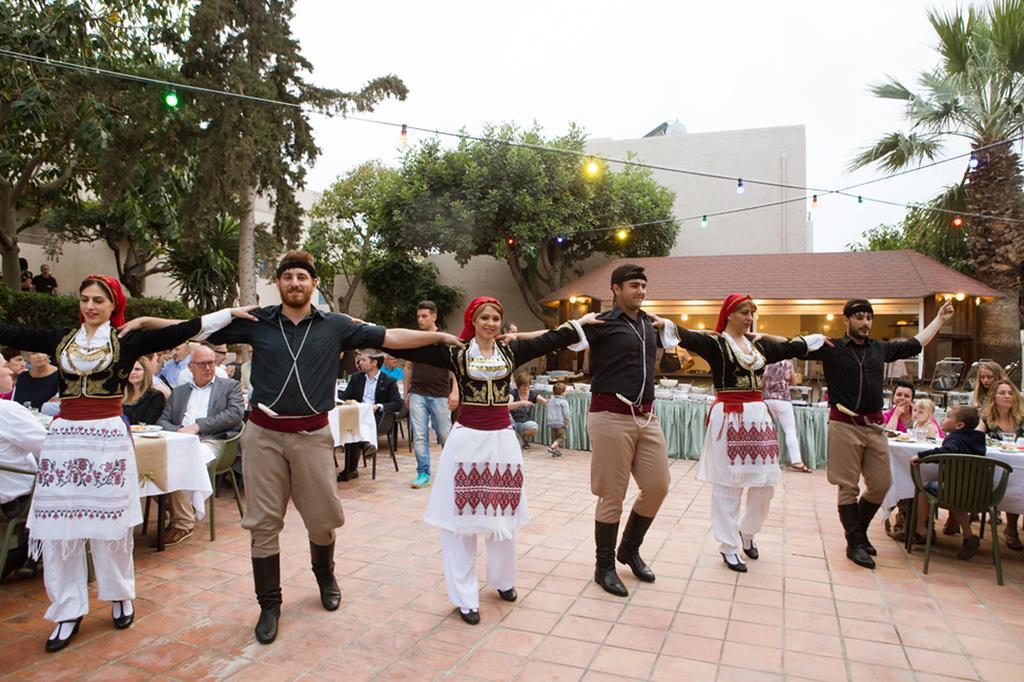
(21,439)
(370,389)
(198,404)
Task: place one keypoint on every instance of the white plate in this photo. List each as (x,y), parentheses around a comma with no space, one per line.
(148,428)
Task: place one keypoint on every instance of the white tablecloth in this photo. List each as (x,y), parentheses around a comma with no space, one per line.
(186,470)
(367,426)
(900,454)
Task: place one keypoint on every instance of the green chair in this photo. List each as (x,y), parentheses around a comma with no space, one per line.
(11,524)
(964,485)
(223,465)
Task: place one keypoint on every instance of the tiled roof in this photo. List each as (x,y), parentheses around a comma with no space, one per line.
(869,274)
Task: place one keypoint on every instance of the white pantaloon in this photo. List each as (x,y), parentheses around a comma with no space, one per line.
(782,410)
(458,554)
(66,576)
(725,514)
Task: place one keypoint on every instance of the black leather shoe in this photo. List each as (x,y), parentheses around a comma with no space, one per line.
(604,570)
(266,573)
(322,560)
(752,552)
(56,643)
(736,564)
(508,595)
(473,617)
(629,548)
(123,622)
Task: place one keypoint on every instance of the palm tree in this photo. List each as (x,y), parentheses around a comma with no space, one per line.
(974,93)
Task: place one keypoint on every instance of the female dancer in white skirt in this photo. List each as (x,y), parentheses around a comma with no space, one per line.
(478,489)
(741,449)
(87,486)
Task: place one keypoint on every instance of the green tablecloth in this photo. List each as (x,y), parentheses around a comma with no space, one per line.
(682,422)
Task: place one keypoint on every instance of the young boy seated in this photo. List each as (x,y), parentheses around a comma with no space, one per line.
(962,437)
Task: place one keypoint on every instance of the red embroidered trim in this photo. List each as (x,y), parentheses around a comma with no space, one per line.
(494,492)
(749,445)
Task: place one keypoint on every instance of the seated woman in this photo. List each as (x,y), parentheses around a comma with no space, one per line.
(1003,413)
(142,403)
(988,374)
(899,416)
(39,384)
(520,406)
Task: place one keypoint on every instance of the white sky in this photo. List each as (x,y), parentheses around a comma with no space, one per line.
(619,69)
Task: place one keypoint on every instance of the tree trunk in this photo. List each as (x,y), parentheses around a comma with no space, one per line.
(346,300)
(247,250)
(530,293)
(998,250)
(9,241)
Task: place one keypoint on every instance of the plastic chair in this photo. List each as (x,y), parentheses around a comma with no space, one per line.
(385,428)
(964,485)
(223,465)
(11,524)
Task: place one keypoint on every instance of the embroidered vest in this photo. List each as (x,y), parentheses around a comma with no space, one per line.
(483,392)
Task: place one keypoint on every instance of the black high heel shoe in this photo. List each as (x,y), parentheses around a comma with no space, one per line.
(123,622)
(55,643)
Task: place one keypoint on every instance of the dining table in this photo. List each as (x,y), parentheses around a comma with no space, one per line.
(169,462)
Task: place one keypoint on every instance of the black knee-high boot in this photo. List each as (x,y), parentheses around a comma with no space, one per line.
(605,535)
(856,538)
(266,574)
(866,512)
(322,559)
(629,548)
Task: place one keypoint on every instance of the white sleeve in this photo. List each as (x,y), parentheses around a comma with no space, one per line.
(24,430)
(214,322)
(582,344)
(669,335)
(814,341)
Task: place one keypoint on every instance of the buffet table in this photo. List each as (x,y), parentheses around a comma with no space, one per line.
(682,422)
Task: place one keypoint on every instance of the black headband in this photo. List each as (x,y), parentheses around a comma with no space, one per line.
(857,306)
(290,264)
(625,273)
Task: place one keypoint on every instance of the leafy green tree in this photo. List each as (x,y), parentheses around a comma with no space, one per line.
(51,119)
(395,283)
(537,211)
(248,148)
(926,232)
(205,270)
(343,229)
(974,93)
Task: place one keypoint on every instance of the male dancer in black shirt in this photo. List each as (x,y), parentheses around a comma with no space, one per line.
(857,446)
(289,450)
(625,435)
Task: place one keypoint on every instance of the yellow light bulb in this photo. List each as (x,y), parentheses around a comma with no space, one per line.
(700,325)
(572,299)
(621,234)
(684,317)
(830,317)
(593,168)
(961,296)
(977,301)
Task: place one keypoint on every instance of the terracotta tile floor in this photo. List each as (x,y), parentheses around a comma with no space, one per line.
(802,612)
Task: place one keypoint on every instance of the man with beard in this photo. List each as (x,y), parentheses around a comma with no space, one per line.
(857,447)
(289,451)
(625,435)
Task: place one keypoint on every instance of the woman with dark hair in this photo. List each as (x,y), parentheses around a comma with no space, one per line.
(478,489)
(38,385)
(87,486)
(741,449)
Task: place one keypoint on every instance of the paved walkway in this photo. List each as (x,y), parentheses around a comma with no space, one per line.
(802,612)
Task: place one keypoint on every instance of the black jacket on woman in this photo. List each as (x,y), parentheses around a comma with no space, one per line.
(106,383)
(147,409)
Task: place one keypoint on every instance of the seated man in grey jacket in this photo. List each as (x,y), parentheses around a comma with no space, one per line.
(210,407)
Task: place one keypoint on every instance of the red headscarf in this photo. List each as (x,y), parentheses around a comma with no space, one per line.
(113,289)
(728,308)
(471,310)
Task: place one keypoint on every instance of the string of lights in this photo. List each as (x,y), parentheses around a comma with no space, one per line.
(591,167)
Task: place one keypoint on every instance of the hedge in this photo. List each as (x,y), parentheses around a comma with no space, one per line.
(29,309)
